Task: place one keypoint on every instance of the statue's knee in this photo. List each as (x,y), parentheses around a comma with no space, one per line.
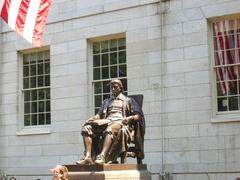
(108,132)
(85,131)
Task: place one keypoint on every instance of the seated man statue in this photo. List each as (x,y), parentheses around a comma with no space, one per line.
(114,115)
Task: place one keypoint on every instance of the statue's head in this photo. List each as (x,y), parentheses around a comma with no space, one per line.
(117,82)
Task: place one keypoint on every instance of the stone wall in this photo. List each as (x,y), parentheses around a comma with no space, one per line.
(168,61)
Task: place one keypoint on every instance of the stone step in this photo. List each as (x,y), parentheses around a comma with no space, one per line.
(109,172)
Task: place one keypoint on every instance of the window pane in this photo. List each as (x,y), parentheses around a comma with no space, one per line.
(33,82)
(106,87)
(96,73)
(230,59)
(96,48)
(25,83)
(229,42)
(233,103)
(26,108)
(41,119)
(219,90)
(25,60)
(34,107)
(96,60)
(40,57)
(48,118)
(48,106)
(105,73)
(233,88)
(33,70)
(40,81)
(222,104)
(27,120)
(48,96)
(106,96)
(97,88)
(40,69)
(113,72)
(27,96)
(121,44)
(113,58)
(34,119)
(47,80)
(98,100)
(104,46)
(122,57)
(113,45)
(34,95)
(41,106)
(32,58)
(104,59)
(41,94)
(26,71)
(122,71)
(47,68)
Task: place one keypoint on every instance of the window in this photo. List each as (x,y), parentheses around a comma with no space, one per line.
(109,61)
(226,39)
(36,89)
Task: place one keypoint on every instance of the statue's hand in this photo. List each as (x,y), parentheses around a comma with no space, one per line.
(125,121)
(128,119)
(88,129)
(91,119)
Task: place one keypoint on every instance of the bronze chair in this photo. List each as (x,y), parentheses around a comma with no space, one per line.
(135,147)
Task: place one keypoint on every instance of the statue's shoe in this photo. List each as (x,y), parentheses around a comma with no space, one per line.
(85,161)
(100,159)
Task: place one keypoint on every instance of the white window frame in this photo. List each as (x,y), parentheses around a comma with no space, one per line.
(228,116)
(90,53)
(28,130)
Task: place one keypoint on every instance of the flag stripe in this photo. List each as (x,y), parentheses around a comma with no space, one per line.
(5,8)
(31,19)
(26,17)
(40,22)
(1,5)
(22,13)
(13,13)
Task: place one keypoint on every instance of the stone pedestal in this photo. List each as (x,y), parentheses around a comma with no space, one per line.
(109,172)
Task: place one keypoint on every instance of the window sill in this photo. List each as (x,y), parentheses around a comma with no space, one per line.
(226,118)
(34,130)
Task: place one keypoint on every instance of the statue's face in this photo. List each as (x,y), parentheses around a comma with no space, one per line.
(116,89)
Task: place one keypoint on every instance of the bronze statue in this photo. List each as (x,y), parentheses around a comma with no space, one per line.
(112,124)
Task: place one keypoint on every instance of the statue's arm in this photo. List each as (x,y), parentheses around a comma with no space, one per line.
(134,113)
(93,118)
(135,117)
(99,114)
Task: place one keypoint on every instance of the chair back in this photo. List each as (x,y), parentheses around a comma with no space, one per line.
(138,98)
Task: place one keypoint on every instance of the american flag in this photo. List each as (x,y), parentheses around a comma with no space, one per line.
(26,17)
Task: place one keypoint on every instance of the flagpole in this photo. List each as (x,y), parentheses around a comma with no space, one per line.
(1,59)
(1,44)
